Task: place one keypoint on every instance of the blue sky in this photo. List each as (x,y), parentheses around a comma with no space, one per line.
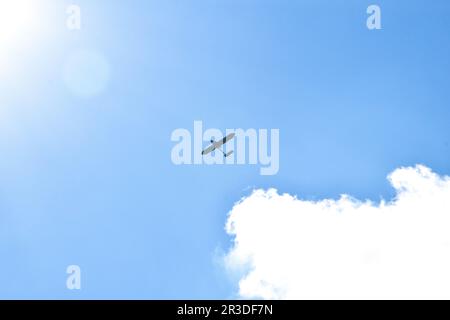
(89,181)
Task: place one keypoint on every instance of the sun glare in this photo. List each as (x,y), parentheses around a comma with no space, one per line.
(18,24)
(16,20)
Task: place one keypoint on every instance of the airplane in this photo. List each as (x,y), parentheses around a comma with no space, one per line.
(217,144)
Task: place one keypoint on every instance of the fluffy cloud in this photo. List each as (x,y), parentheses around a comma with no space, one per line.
(287,248)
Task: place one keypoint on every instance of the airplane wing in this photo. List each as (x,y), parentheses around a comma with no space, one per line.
(211,148)
(223,141)
(218,144)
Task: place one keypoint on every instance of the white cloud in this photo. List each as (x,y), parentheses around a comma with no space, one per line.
(287,248)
